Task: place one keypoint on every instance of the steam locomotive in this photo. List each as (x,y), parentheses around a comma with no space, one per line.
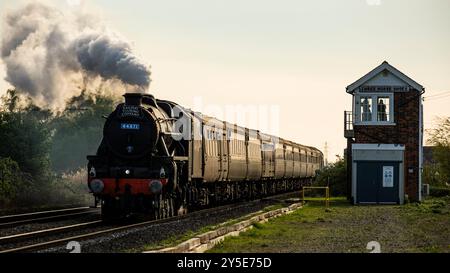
(161,159)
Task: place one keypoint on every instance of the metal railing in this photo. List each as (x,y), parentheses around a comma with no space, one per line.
(348,124)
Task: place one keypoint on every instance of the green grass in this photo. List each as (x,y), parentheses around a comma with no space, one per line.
(179,238)
(421,227)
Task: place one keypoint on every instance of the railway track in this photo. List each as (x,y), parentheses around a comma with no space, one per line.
(44,232)
(93,234)
(43,216)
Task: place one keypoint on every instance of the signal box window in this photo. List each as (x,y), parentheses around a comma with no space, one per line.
(366,109)
(374,109)
(383,108)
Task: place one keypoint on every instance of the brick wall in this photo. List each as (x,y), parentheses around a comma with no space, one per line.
(406,131)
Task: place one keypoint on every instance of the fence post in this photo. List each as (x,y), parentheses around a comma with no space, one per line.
(328,196)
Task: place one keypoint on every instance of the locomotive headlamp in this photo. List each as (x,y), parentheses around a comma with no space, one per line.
(130,149)
(92,172)
(97,186)
(162,173)
(155,186)
(127,172)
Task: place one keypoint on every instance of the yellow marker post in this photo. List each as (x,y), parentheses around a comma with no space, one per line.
(327,194)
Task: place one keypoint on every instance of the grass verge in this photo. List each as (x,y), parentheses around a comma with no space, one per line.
(179,238)
(344,228)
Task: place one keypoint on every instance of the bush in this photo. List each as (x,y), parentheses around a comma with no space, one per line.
(440,139)
(439,191)
(334,176)
(432,175)
(10,180)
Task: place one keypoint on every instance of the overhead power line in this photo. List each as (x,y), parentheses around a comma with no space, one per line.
(439,96)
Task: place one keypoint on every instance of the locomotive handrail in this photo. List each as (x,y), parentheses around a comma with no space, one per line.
(174,157)
(167,119)
(180,158)
(171,134)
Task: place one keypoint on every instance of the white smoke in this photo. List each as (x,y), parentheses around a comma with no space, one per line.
(50,55)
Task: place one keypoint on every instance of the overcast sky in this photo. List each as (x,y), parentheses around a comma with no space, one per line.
(296,55)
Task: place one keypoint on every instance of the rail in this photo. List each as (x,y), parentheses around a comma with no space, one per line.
(56,242)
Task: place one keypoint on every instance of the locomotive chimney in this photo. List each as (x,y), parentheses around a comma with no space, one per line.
(133,99)
(138,99)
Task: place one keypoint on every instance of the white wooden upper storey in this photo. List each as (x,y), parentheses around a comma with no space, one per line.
(373,94)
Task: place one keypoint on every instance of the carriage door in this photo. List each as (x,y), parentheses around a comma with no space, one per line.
(196,147)
(224,154)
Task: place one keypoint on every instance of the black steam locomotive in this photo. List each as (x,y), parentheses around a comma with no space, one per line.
(161,159)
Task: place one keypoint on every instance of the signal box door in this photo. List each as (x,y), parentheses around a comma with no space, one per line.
(377,182)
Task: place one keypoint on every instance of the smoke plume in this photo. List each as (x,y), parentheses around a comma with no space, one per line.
(51,55)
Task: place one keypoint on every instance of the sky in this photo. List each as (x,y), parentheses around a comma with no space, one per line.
(294,57)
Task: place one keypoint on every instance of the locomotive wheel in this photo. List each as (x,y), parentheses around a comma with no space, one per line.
(163,207)
(164,211)
(179,208)
(157,207)
(106,212)
(109,211)
(171,207)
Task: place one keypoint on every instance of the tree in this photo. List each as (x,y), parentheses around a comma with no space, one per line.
(24,134)
(440,139)
(33,140)
(78,130)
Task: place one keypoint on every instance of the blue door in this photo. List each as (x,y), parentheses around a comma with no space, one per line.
(377,182)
